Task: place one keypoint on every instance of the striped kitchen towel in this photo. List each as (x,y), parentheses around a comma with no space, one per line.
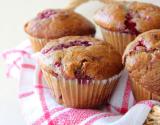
(39,108)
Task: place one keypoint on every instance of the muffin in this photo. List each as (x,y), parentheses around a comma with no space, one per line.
(154,116)
(142,61)
(81,71)
(51,24)
(121,22)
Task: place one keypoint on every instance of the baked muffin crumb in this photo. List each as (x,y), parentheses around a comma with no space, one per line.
(56,23)
(80,57)
(129,17)
(142,60)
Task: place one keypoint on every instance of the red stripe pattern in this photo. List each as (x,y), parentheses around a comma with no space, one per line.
(43,118)
(148,103)
(73,117)
(42,98)
(21,52)
(41,86)
(11,66)
(24,95)
(28,66)
(125,101)
(90,122)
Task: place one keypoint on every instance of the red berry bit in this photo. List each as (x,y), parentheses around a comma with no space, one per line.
(46,14)
(140,46)
(60,97)
(57,64)
(130,26)
(82,78)
(68,45)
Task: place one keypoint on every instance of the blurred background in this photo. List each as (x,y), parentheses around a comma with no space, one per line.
(13,16)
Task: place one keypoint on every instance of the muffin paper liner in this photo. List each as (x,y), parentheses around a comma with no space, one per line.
(38,44)
(118,40)
(74,93)
(55,89)
(141,93)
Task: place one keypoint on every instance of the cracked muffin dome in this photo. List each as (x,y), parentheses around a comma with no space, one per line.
(129,17)
(142,60)
(56,23)
(80,57)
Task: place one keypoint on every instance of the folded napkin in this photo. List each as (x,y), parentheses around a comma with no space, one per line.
(39,108)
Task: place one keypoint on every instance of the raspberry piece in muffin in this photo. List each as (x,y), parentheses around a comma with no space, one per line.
(130,26)
(46,14)
(57,64)
(80,75)
(140,45)
(70,44)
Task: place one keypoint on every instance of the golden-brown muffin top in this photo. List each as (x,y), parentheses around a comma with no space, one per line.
(56,23)
(129,17)
(147,42)
(80,57)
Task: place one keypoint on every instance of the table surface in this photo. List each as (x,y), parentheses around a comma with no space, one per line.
(13,16)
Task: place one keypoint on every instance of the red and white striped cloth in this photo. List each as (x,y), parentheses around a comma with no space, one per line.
(39,108)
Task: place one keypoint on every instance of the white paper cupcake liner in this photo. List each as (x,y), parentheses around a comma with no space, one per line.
(38,44)
(141,93)
(90,94)
(118,40)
